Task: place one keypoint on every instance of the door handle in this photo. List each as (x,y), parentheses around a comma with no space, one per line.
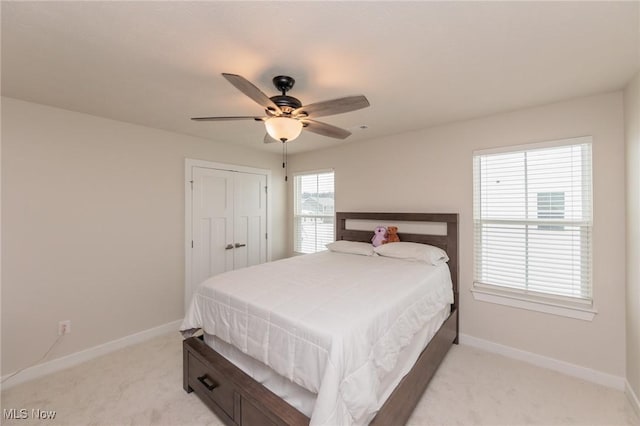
(228,247)
(240,245)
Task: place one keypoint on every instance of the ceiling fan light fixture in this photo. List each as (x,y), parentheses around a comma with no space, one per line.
(283,128)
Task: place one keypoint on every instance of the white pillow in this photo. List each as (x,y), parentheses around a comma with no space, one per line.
(413,251)
(351,247)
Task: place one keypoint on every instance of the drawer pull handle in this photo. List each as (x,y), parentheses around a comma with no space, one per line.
(207,382)
(240,245)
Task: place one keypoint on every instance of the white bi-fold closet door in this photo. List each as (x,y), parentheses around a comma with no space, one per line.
(228,220)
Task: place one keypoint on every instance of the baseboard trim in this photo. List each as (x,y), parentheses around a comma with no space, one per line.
(76,358)
(574,370)
(633,398)
(567,368)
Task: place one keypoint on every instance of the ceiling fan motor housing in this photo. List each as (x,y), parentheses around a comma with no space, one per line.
(286,103)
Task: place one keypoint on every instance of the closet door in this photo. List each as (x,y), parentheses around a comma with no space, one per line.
(228,223)
(212,223)
(250,219)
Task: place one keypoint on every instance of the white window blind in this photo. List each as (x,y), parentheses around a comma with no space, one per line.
(533,219)
(314,211)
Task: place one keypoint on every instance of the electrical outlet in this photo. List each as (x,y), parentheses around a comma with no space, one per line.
(64,327)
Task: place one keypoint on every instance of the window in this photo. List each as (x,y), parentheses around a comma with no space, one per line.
(533,220)
(314,211)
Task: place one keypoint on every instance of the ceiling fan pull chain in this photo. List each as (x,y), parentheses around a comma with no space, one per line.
(284,158)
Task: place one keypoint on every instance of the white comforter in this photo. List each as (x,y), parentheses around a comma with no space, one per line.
(333,323)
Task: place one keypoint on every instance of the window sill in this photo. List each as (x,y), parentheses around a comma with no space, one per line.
(517,300)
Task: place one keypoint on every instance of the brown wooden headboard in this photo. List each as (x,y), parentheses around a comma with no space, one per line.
(448,242)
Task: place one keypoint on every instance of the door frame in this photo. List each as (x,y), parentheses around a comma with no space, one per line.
(190,163)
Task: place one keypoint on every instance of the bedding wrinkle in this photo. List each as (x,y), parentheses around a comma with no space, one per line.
(332,323)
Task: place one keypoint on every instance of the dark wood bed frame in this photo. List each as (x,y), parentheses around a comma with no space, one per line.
(240,400)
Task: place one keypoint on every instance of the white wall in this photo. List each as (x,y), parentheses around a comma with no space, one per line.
(431,171)
(632,136)
(93,226)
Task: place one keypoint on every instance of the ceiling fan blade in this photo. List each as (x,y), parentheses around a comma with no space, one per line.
(246,87)
(334,106)
(325,129)
(228,118)
(269,139)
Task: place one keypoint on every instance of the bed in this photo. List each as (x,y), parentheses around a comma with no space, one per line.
(336,348)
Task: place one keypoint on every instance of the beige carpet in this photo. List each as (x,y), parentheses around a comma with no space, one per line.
(142,385)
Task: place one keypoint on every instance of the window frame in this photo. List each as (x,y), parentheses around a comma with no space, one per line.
(573,307)
(297,215)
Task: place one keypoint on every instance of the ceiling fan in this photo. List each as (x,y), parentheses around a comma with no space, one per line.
(286,116)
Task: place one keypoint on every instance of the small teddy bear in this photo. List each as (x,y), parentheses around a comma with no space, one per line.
(378,236)
(392,235)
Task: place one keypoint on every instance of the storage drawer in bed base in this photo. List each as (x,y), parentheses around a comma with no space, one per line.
(240,400)
(230,393)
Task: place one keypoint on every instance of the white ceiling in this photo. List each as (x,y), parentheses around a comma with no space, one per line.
(419,63)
